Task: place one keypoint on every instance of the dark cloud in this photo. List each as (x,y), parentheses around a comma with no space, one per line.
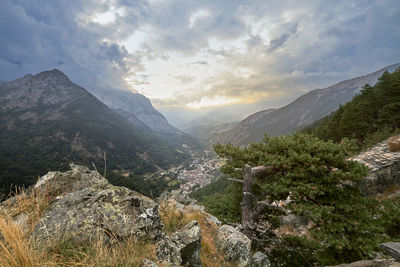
(280,41)
(288,45)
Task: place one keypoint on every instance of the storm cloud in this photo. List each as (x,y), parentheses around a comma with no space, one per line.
(180,52)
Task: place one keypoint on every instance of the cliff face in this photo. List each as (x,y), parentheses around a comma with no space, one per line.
(128,104)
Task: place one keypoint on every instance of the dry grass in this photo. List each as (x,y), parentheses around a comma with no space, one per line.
(15,248)
(18,250)
(122,253)
(174,220)
(32,205)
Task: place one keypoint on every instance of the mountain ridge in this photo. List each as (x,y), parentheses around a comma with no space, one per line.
(47,121)
(301,112)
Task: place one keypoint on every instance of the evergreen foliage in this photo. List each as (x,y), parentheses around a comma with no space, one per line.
(322,187)
(370,117)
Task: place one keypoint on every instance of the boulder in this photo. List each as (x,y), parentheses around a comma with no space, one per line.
(259,259)
(189,240)
(234,244)
(384,168)
(183,248)
(88,208)
(392,248)
(370,263)
(79,177)
(168,251)
(148,263)
(178,195)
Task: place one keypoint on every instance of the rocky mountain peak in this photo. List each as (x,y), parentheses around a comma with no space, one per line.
(53,75)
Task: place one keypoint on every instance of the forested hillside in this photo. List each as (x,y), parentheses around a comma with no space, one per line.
(46,122)
(370,117)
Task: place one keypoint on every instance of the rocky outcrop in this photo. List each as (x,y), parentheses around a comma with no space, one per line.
(259,259)
(392,248)
(235,245)
(370,263)
(148,263)
(384,168)
(88,208)
(183,248)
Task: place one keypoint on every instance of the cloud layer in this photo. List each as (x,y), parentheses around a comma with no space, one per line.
(200,53)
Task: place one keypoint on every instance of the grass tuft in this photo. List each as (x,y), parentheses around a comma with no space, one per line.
(15,248)
(175,219)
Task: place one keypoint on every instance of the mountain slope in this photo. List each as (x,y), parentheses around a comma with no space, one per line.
(138,110)
(301,112)
(46,121)
(135,104)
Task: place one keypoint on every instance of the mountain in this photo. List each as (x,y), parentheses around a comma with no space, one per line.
(209,134)
(139,111)
(125,102)
(46,121)
(301,112)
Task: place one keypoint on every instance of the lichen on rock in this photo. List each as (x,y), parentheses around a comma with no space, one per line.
(88,208)
(183,247)
(235,244)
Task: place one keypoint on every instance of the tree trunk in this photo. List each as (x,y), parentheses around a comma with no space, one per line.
(247,202)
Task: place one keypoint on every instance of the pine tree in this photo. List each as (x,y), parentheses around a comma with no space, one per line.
(323,188)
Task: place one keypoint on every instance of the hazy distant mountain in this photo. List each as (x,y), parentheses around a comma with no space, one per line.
(301,112)
(212,125)
(46,121)
(125,102)
(210,134)
(222,115)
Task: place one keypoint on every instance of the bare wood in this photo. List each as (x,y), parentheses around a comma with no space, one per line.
(260,169)
(247,202)
(249,213)
(235,180)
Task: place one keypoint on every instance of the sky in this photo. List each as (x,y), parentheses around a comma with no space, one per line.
(197,54)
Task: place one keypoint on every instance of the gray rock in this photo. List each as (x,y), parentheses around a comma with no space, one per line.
(79,177)
(147,263)
(259,259)
(168,251)
(384,168)
(177,195)
(189,239)
(235,245)
(183,248)
(392,248)
(95,209)
(369,263)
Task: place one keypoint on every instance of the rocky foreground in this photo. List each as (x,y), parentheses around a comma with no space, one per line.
(83,207)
